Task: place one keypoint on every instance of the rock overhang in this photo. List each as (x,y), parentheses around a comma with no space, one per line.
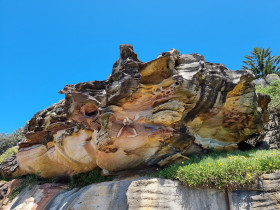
(142,114)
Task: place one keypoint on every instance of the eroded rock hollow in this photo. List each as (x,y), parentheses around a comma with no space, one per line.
(145,113)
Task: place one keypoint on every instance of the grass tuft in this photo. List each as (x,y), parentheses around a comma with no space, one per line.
(221,169)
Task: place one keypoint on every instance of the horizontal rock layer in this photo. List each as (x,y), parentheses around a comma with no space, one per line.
(148,193)
(144,113)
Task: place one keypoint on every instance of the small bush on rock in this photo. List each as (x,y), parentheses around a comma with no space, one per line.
(220,170)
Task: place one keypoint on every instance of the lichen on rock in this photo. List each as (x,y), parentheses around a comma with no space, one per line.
(142,114)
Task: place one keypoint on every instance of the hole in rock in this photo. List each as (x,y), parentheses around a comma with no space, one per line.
(91,114)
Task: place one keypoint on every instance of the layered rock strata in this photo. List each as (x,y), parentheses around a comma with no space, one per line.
(145,113)
(148,193)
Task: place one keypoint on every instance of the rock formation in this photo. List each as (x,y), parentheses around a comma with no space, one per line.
(148,193)
(269,138)
(143,114)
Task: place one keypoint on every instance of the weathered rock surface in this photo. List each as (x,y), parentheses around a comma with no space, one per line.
(143,114)
(5,190)
(266,196)
(148,193)
(269,138)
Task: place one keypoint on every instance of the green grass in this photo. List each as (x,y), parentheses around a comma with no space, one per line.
(220,170)
(83,179)
(8,153)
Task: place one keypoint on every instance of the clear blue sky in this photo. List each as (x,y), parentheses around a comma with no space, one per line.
(46,44)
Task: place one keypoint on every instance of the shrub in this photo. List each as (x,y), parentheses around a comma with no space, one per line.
(10,140)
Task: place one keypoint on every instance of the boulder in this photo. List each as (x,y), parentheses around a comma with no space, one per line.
(145,113)
(267,80)
(271,77)
(261,81)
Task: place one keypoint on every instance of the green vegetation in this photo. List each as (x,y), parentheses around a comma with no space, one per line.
(83,179)
(273,90)
(262,63)
(220,169)
(10,140)
(8,153)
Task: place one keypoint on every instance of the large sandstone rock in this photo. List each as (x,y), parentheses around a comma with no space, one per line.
(143,114)
(148,193)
